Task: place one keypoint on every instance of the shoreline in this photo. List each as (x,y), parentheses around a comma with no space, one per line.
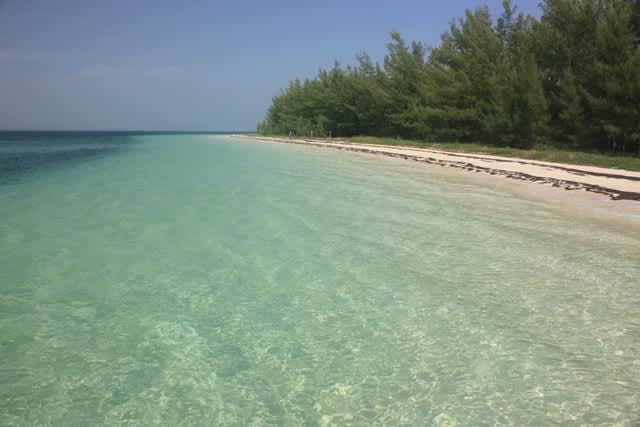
(613,183)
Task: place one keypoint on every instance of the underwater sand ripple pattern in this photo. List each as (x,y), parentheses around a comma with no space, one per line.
(198,281)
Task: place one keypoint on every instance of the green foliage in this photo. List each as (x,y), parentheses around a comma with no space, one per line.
(570,79)
(589,54)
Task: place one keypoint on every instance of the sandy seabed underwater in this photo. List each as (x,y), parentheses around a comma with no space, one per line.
(200,280)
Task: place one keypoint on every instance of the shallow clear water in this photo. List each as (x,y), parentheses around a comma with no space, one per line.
(197,280)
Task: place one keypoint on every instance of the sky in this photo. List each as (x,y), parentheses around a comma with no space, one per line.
(188,65)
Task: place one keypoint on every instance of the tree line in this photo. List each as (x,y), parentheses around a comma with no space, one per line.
(569,79)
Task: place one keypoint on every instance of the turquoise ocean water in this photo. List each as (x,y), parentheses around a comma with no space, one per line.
(200,280)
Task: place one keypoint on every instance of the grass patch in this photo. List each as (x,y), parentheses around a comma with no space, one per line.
(547,154)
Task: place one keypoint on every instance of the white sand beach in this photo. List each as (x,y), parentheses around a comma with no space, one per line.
(610,193)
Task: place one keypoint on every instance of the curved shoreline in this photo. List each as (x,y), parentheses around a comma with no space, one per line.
(616,184)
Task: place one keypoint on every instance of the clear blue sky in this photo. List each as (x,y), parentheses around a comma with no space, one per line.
(188,65)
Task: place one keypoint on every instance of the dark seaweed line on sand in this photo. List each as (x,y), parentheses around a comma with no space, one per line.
(519,161)
(565,184)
